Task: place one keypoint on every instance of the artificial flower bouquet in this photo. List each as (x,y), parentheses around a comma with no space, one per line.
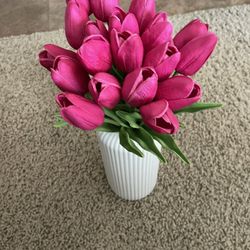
(128,73)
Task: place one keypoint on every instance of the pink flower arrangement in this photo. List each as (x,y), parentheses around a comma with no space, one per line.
(128,73)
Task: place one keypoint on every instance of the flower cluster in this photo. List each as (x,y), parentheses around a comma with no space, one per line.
(128,71)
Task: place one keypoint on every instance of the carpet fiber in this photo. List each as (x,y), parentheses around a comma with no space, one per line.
(53,191)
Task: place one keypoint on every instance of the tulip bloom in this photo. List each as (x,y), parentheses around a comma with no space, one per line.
(103,9)
(159,32)
(105,89)
(79,111)
(50,52)
(195,44)
(192,30)
(179,91)
(84,3)
(196,53)
(95,54)
(123,22)
(69,75)
(140,87)
(95,28)
(164,59)
(76,16)
(159,117)
(127,50)
(144,10)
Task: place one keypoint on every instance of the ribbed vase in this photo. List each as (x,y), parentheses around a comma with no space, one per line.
(129,176)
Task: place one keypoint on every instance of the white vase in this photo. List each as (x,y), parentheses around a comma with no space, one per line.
(129,176)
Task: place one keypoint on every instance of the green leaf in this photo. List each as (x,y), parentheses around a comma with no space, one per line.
(111,114)
(198,107)
(107,127)
(59,121)
(131,118)
(128,144)
(124,107)
(60,124)
(145,140)
(111,121)
(168,142)
(117,73)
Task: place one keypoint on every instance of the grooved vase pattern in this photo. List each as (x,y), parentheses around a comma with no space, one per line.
(129,176)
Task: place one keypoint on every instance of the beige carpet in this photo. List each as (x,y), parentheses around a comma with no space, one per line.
(53,192)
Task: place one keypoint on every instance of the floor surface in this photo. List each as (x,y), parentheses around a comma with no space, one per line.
(28,16)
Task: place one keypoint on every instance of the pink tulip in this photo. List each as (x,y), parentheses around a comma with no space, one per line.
(84,3)
(127,50)
(76,16)
(159,117)
(69,75)
(95,28)
(195,44)
(105,89)
(50,52)
(144,10)
(192,30)
(164,59)
(158,32)
(95,54)
(179,91)
(123,22)
(79,111)
(103,9)
(195,53)
(140,86)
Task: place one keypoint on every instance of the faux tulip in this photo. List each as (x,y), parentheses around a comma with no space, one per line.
(103,9)
(105,90)
(127,50)
(76,16)
(79,111)
(164,59)
(192,30)
(123,22)
(195,53)
(159,117)
(95,28)
(179,91)
(95,54)
(69,75)
(140,87)
(144,10)
(84,3)
(50,52)
(159,32)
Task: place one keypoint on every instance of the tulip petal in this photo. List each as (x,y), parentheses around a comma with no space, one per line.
(194,97)
(55,51)
(157,34)
(154,110)
(195,53)
(95,54)
(130,23)
(156,55)
(130,54)
(80,112)
(103,9)
(75,18)
(69,75)
(167,67)
(175,88)
(179,91)
(144,10)
(192,30)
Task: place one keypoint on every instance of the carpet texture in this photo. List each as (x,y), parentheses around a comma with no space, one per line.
(53,191)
